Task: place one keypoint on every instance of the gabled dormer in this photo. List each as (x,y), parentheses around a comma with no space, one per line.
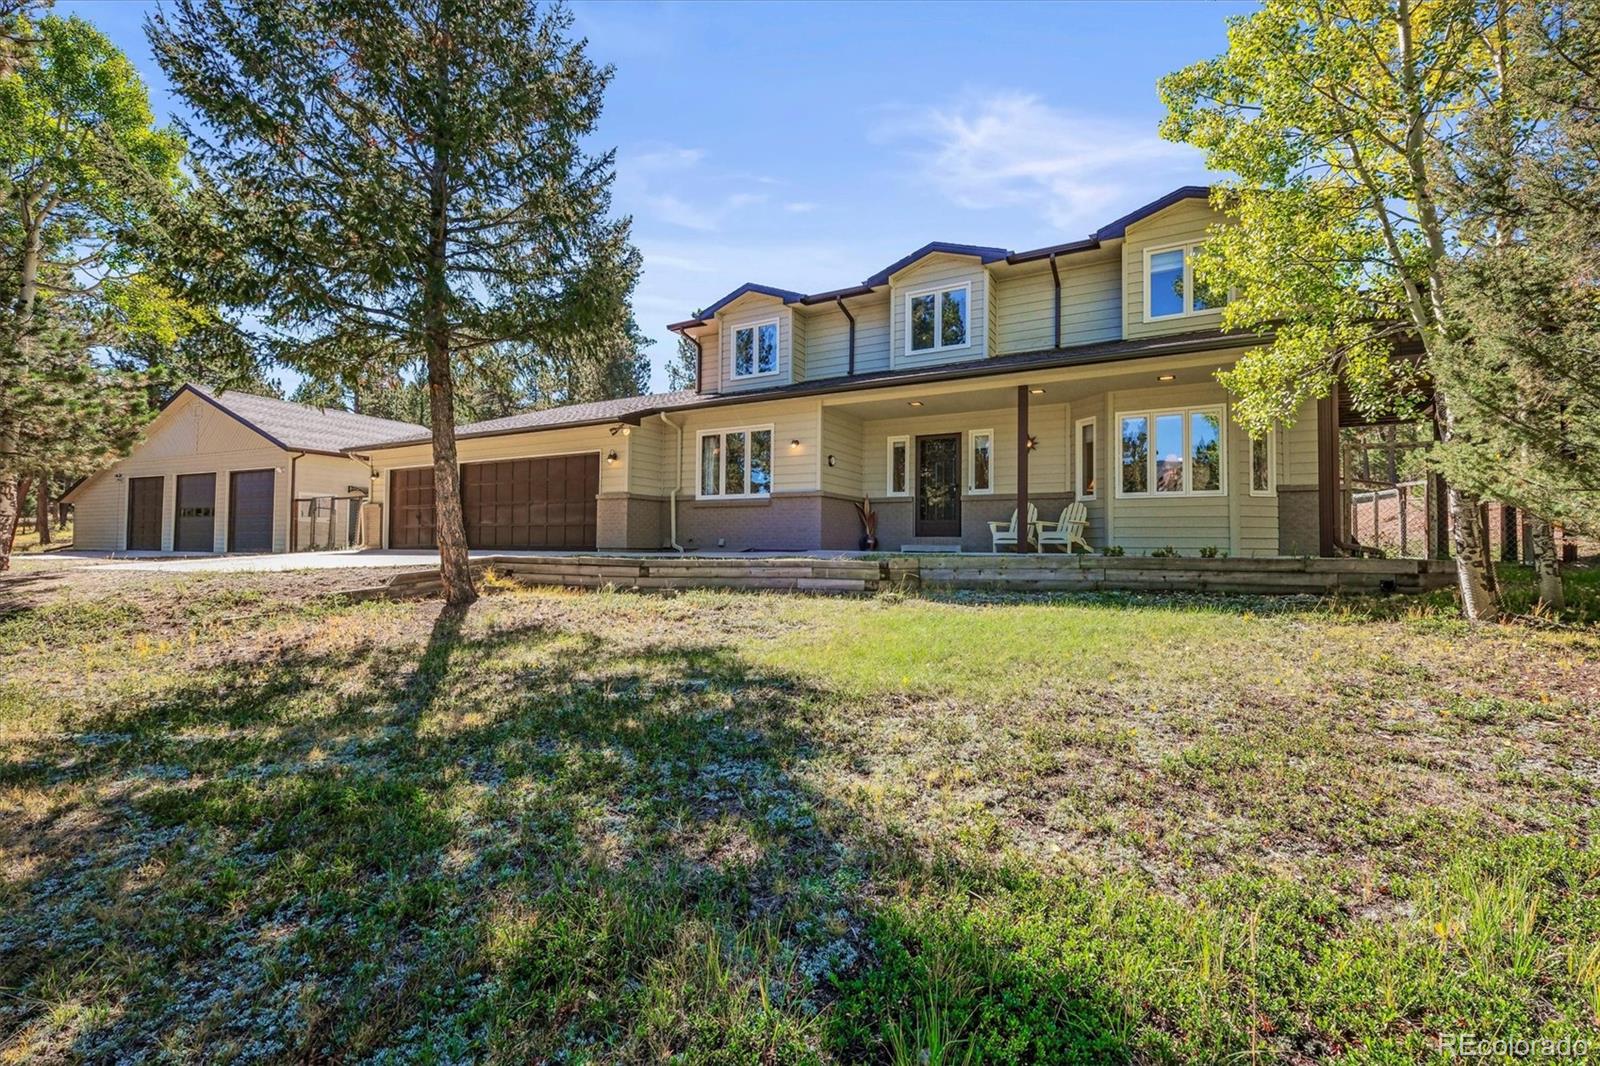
(1159,293)
(939,305)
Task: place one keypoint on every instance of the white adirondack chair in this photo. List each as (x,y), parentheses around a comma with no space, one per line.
(1067,530)
(1003,534)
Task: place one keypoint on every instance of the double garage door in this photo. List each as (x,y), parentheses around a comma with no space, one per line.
(515,504)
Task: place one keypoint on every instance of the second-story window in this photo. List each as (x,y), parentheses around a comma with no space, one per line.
(755,350)
(937,319)
(1170,286)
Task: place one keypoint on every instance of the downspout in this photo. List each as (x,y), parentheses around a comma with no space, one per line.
(294,525)
(851,369)
(677,484)
(1056,276)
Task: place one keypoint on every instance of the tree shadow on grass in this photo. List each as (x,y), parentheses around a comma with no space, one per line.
(529,842)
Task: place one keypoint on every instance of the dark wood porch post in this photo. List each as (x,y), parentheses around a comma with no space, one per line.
(1328,472)
(1024,531)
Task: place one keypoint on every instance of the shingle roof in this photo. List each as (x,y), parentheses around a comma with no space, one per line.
(576,414)
(984,253)
(301,427)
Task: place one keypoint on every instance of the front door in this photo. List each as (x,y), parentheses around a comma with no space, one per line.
(939,486)
(192,527)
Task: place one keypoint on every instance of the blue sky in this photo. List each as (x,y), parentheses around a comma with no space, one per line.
(808,145)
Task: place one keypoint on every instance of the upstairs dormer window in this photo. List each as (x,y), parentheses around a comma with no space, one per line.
(937,319)
(755,350)
(1170,287)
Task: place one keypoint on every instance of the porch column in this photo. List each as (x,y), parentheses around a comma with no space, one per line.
(1328,494)
(1024,531)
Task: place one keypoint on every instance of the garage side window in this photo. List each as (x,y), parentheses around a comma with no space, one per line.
(736,463)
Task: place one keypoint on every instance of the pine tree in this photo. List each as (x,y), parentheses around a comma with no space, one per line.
(1526,373)
(683,372)
(413,171)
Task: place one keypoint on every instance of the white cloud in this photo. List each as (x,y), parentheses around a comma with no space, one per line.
(799,207)
(1012,149)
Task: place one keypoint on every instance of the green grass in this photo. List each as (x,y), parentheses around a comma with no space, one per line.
(253,826)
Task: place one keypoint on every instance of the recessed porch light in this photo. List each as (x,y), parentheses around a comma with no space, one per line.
(1037,392)
(1167,377)
(913,403)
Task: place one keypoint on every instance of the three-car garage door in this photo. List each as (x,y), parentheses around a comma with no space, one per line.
(531,504)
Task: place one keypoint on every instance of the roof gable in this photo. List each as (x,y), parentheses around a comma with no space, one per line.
(301,427)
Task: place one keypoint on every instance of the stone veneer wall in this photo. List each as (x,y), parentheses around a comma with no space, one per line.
(1299,521)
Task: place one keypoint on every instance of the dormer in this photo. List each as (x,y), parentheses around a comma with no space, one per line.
(749,339)
(1159,294)
(939,305)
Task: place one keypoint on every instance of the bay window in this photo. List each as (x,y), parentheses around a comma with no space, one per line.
(1172,453)
(938,319)
(736,463)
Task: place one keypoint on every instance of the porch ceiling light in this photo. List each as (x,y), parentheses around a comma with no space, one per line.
(913,403)
(1037,391)
(1167,377)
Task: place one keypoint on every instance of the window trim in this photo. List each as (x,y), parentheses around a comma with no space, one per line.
(938,292)
(1272,466)
(722,459)
(972,466)
(1189,310)
(888,480)
(733,350)
(1186,413)
(1077,444)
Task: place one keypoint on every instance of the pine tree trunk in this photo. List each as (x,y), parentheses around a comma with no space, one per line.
(1546,564)
(1474,568)
(42,512)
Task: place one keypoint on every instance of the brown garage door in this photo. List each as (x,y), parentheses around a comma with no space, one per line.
(144,514)
(411,508)
(532,503)
(193,528)
(250,494)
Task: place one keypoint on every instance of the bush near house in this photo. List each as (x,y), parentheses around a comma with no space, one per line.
(247,823)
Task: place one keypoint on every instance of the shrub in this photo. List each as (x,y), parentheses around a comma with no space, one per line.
(1211,551)
(1169,552)
(1113,549)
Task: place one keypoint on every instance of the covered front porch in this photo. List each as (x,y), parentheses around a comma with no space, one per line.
(1148,447)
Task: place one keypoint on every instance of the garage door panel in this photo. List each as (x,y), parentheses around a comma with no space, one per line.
(411,508)
(251,497)
(532,503)
(144,513)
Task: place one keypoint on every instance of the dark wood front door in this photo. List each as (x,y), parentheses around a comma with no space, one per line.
(939,486)
(411,508)
(250,510)
(144,514)
(532,503)
(194,524)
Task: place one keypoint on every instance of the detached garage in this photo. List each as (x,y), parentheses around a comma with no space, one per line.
(223,472)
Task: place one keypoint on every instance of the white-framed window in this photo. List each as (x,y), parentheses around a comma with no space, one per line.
(1170,290)
(755,350)
(980,461)
(1264,465)
(736,464)
(1174,452)
(939,319)
(1087,431)
(899,479)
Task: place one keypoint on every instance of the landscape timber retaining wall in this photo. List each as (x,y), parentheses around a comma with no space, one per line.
(1021,573)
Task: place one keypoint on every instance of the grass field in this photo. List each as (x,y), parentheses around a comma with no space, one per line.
(243,823)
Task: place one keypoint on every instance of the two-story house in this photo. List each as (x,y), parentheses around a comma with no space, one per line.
(927,388)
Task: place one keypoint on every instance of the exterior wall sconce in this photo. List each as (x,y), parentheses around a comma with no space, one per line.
(1167,377)
(832,461)
(117,476)
(611,456)
(794,443)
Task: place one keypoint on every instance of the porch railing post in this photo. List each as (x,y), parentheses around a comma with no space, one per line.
(1024,530)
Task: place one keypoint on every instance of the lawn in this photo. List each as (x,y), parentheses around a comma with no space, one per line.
(245,823)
